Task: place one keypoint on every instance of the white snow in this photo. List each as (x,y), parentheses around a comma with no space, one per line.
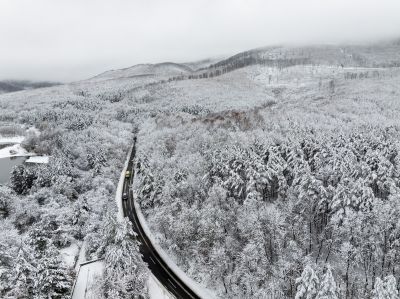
(157,290)
(33,131)
(118,194)
(194,286)
(159,70)
(38,159)
(69,254)
(15,150)
(11,140)
(88,272)
(81,256)
(86,280)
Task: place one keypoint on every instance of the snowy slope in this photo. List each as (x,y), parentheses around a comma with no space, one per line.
(167,69)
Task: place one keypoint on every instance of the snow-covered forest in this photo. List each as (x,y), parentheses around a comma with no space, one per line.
(271,173)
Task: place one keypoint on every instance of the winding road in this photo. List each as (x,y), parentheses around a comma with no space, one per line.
(155,263)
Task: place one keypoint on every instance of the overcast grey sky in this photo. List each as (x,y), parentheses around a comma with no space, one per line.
(74,39)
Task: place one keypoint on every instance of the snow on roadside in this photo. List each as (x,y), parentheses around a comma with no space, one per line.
(153,282)
(120,187)
(156,289)
(81,256)
(88,272)
(85,285)
(194,286)
(85,280)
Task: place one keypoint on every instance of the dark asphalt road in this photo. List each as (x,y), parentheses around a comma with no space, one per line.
(155,263)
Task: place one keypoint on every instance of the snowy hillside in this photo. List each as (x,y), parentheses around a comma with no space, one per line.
(270,173)
(15,85)
(167,69)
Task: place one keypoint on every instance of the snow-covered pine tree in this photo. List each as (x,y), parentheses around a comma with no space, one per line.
(125,272)
(22,179)
(24,273)
(9,247)
(391,287)
(328,289)
(307,284)
(379,291)
(52,279)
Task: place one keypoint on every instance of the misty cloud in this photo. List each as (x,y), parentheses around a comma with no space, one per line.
(71,40)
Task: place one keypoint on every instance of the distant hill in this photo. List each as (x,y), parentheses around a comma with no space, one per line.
(167,69)
(17,85)
(380,55)
(384,54)
(204,63)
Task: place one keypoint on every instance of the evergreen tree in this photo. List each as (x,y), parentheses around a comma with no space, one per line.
(391,287)
(379,291)
(125,272)
(24,273)
(328,289)
(52,280)
(22,178)
(307,284)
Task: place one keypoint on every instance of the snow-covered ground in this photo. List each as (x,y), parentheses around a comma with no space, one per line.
(38,159)
(87,271)
(157,290)
(11,140)
(255,103)
(15,150)
(86,280)
(69,254)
